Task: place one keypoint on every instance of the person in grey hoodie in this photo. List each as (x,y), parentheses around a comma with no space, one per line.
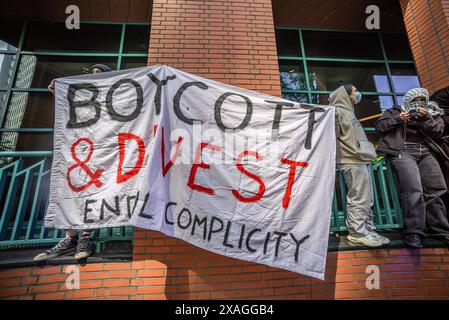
(354,155)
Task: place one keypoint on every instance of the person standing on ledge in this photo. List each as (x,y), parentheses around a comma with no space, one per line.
(354,156)
(406,136)
(72,242)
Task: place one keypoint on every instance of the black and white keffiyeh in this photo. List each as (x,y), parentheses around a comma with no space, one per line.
(413,106)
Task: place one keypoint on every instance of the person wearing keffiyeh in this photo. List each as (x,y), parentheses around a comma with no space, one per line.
(408,134)
(412,105)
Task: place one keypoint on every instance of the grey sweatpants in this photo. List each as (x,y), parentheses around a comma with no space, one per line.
(359,199)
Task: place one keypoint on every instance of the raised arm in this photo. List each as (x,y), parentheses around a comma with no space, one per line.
(390,121)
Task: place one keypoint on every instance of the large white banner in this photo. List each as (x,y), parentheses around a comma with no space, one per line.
(236,172)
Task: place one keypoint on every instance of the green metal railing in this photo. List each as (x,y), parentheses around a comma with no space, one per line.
(386,207)
(24,199)
(24,182)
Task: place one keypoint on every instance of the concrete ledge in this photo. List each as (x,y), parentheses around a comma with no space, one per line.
(23,257)
(338,242)
(18,258)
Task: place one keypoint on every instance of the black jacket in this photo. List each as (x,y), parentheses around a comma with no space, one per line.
(393,134)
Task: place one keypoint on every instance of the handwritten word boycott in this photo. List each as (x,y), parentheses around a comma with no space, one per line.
(120,143)
(218,105)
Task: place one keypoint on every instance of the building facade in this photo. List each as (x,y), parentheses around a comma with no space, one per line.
(300,50)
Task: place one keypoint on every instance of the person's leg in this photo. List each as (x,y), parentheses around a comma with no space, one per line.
(71,233)
(412,200)
(84,248)
(370,218)
(87,233)
(434,187)
(65,246)
(358,201)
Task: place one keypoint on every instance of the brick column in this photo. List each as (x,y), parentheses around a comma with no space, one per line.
(427,24)
(231,41)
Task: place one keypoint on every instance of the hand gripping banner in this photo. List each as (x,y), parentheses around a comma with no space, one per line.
(236,172)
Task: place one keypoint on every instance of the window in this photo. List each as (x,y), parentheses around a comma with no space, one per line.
(136,39)
(34,53)
(288,43)
(133,62)
(343,45)
(292,75)
(296,97)
(55,37)
(7,63)
(397,46)
(9,34)
(313,63)
(404,77)
(327,76)
(45,68)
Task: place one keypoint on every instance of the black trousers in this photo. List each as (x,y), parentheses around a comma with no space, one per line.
(421,185)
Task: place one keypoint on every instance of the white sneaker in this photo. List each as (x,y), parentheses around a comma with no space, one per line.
(384,240)
(369,240)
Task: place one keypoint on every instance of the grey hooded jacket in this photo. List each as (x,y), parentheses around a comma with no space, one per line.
(353,147)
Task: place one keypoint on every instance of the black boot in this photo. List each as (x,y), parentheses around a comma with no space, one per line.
(413,240)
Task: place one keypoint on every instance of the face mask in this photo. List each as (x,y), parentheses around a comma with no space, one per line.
(415,105)
(422,104)
(358,97)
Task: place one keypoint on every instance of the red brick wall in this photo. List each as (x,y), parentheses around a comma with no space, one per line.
(185,272)
(428,30)
(231,41)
